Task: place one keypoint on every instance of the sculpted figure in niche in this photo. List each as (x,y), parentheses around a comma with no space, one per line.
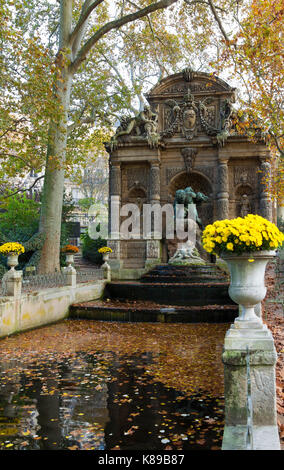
(144,124)
(188,253)
(245,206)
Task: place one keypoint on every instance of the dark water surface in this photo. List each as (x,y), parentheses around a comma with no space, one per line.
(83,385)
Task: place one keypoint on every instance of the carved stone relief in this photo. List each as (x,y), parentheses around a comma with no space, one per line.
(180,117)
(137,177)
(243,175)
(189,155)
(153,249)
(192,87)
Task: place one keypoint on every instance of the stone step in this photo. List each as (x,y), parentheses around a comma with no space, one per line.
(176,274)
(134,263)
(147,312)
(182,294)
(176,280)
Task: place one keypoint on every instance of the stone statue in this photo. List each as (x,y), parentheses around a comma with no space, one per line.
(222,130)
(187,196)
(187,253)
(144,124)
(225,122)
(179,199)
(245,206)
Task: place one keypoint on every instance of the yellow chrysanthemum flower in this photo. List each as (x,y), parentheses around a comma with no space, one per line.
(12,247)
(250,233)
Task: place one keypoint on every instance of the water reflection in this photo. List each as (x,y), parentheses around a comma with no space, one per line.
(101,401)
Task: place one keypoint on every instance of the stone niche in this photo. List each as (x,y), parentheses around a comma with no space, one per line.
(186,136)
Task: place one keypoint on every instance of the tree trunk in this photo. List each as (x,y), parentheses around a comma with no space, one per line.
(51,209)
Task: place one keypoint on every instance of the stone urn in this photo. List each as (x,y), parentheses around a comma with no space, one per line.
(106,267)
(12,260)
(247,286)
(105,257)
(69,259)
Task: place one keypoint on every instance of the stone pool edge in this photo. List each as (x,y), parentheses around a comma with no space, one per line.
(43,307)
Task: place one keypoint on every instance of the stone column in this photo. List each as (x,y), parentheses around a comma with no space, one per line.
(155,182)
(155,188)
(280,210)
(114,242)
(114,199)
(265,203)
(223,190)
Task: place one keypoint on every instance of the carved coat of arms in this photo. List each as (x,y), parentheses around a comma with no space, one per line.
(181,117)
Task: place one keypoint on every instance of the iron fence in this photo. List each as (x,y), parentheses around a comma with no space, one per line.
(89,275)
(34,282)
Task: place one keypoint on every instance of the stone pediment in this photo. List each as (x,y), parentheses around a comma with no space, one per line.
(198,83)
(193,105)
(185,106)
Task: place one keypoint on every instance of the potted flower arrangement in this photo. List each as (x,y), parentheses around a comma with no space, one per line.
(69,250)
(246,244)
(12,250)
(105,251)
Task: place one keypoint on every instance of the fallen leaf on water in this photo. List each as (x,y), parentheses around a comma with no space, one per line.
(201,442)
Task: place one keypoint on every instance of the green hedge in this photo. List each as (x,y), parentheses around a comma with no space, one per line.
(90,248)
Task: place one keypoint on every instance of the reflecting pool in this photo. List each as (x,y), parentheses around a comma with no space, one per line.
(89,385)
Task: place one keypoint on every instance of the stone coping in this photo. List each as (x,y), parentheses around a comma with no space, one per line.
(43,307)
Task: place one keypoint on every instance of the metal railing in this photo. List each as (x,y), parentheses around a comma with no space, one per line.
(249,434)
(87,275)
(33,282)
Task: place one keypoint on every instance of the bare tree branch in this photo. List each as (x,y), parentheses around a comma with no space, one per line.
(203,2)
(276,140)
(215,14)
(115,24)
(12,155)
(86,11)
(14,128)
(24,190)
(160,65)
